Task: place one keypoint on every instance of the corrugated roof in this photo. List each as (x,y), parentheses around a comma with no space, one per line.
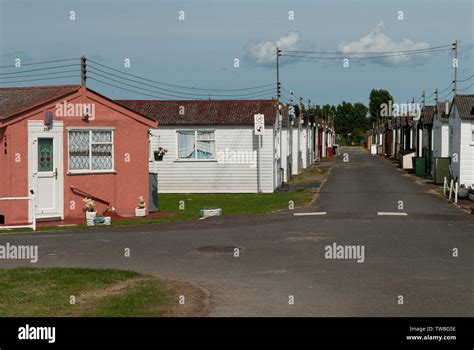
(427,113)
(15,100)
(465,106)
(442,109)
(204,112)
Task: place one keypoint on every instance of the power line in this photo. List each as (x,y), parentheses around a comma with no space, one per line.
(266,94)
(185,96)
(466,88)
(119,87)
(440,92)
(41,69)
(431,95)
(461,81)
(41,74)
(173,91)
(22,81)
(36,63)
(368,52)
(444,97)
(362,58)
(181,86)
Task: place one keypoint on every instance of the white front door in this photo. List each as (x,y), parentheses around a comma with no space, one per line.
(45,148)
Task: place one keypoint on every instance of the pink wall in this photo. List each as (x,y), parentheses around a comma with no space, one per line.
(121,188)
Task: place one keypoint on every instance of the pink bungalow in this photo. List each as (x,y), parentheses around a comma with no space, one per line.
(64,143)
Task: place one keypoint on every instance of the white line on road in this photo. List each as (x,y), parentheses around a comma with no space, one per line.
(391,213)
(311,213)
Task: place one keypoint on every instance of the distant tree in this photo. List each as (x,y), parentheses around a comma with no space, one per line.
(377,98)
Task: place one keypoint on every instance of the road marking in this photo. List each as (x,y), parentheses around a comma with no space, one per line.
(391,213)
(311,213)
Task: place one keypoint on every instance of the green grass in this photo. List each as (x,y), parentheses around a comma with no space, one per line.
(308,176)
(47,292)
(230,203)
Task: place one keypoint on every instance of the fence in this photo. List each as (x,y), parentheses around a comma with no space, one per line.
(31,225)
(452,187)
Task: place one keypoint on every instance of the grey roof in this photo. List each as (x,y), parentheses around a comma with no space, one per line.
(16,100)
(464,105)
(427,113)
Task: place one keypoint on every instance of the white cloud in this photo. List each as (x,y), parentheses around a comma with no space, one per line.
(378,41)
(263,52)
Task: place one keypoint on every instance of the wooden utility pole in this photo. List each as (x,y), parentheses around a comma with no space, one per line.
(277,52)
(455,67)
(83,71)
(290,135)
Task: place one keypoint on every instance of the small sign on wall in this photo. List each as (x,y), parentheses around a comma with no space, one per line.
(259,123)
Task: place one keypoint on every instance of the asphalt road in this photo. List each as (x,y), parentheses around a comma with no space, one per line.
(283,255)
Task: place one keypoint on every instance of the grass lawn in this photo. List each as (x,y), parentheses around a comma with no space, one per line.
(314,173)
(230,203)
(48,291)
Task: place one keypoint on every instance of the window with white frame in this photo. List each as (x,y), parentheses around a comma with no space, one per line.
(91,150)
(193,144)
(472,133)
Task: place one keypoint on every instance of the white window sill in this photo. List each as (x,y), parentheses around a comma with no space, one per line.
(90,172)
(194,160)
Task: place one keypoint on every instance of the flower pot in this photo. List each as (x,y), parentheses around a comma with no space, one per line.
(471,196)
(90,215)
(462,192)
(158,157)
(140,212)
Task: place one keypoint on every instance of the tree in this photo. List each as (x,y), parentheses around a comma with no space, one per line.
(377,99)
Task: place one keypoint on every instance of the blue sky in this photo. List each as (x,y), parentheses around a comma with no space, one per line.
(200,50)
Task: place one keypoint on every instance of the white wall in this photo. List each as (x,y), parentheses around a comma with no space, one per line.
(466,171)
(295,151)
(454,143)
(440,138)
(304,146)
(285,153)
(217,176)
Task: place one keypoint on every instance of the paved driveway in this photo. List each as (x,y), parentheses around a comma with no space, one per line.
(283,256)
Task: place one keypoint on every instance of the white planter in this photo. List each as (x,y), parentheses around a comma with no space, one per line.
(139,212)
(90,215)
(90,222)
(471,196)
(462,192)
(108,220)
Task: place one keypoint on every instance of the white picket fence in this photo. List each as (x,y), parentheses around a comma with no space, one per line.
(31,225)
(452,188)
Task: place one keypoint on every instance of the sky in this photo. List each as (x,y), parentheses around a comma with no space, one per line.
(200,51)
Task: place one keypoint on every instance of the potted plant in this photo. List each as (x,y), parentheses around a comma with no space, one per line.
(462,191)
(89,207)
(471,193)
(111,212)
(140,210)
(160,153)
